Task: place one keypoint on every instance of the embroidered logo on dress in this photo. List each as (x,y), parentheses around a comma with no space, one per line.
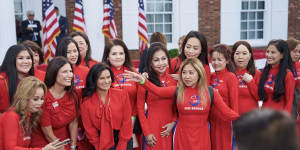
(194,100)
(163,83)
(270,79)
(77,80)
(120,78)
(240,78)
(215,82)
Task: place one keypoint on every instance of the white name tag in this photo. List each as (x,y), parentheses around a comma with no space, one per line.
(55,104)
(32,26)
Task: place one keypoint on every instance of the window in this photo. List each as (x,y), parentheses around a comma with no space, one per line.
(19,18)
(252,20)
(159,14)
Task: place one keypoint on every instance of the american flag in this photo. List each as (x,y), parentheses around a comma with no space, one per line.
(109,27)
(142,28)
(79,22)
(50,29)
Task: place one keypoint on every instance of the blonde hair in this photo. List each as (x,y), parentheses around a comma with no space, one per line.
(25,91)
(201,83)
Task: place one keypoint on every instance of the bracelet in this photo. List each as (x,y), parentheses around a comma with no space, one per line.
(142,82)
(73,147)
(132,118)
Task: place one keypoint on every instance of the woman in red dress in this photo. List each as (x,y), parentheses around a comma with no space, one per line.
(17,124)
(248,76)
(117,57)
(194,46)
(106,111)
(159,119)
(277,83)
(16,65)
(60,111)
(84,46)
(225,81)
(194,105)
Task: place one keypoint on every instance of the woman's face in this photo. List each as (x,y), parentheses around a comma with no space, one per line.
(72,53)
(36,58)
(241,57)
(273,55)
(64,76)
(82,45)
(36,102)
(159,62)
(218,61)
(23,62)
(189,75)
(104,81)
(295,54)
(116,56)
(192,48)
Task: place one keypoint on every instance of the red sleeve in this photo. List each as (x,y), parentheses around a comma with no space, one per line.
(253,85)
(221,110)
(232,85)
(4,96)
(289,91)
(10,128)
(164,92)
(45,119)
(141,110)
(174,65)
(207,71)
(90,130)
(126,128)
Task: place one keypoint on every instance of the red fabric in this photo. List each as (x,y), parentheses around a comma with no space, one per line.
(248,92)
(91,63)
(4,95)
(39,74)
(12,136)
(80,72)
(192,131)
(57,113)
(42,67)
(227,84)
(286,100)
(99,117)
(129,86)
(296,66)
(161,111)
(175,65)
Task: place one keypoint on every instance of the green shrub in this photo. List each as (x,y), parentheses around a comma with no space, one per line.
(173,52)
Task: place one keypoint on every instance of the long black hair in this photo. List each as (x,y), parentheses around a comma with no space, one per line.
(251,66)
(154,47)
(51,75)
(87,57)
(92,78)
(285,64)
(107,49)
(203,55)
(62,48)
(9,66)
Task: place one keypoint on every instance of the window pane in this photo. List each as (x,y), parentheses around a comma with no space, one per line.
(243,35)
(168,18)
(252,5)
(244,25)
(260,25)
(150,28)
(150,18)
(251,15)
(260,15)
(168,7)
(260,34)
(158,18)
(159,28)
(150,7)
(244,5)
(252,35)
(169,38)
(168,28)
(159,7)
(244,15)
(252,25)
(261,5)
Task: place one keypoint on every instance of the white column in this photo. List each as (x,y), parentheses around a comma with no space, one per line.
(93,13)
(7,27)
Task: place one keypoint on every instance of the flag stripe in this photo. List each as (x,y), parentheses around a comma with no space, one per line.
(109,27)
(142,27)
(79,21)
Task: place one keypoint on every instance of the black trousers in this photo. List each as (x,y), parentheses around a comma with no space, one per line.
(116,140)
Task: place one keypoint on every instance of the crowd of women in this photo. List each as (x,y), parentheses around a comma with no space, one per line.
(166,104)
